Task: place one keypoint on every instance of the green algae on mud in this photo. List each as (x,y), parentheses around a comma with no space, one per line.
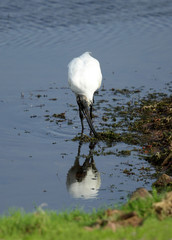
(101,136)
(109,136)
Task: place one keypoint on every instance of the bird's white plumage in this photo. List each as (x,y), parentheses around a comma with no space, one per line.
(84,76)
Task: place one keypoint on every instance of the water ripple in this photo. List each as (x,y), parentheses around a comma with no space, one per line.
(52,22)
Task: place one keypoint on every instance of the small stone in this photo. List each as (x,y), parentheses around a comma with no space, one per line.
(140,193)
(164,208)
(163,180)
(130,219)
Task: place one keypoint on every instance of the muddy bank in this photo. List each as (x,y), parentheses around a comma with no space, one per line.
(155,126)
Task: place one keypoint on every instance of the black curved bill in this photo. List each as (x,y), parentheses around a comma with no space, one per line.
(87,115)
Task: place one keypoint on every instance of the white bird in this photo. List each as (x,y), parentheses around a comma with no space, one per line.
(84,78)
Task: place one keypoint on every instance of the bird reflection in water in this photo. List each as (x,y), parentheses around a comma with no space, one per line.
(83,181)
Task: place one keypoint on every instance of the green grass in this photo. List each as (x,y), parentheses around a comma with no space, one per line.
(53,226)
(151,229)
(72,225)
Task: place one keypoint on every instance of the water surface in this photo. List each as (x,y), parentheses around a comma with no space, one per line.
(131,39)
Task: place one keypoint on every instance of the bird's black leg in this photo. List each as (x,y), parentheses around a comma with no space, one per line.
(81,117)
(91,115)
(91,109)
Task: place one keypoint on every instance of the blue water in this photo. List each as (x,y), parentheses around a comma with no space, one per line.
(132,40)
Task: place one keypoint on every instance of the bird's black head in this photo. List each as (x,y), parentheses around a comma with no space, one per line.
(82,102)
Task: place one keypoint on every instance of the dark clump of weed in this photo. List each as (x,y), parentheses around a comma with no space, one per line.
(154,122)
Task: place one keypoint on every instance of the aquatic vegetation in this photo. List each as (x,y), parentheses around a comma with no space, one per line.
(146,122)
